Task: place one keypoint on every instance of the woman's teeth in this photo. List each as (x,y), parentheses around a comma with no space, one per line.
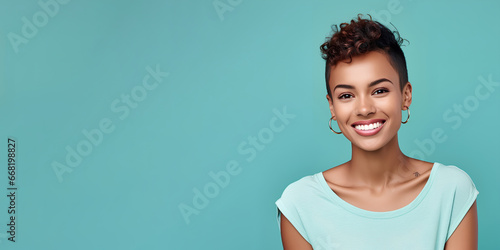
(368,127)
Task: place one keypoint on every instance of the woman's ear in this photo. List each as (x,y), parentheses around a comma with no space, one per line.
(330,103)
(407,90)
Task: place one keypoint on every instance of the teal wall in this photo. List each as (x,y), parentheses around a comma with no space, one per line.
(123,112)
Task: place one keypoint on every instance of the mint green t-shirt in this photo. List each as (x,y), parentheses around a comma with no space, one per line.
(328,222)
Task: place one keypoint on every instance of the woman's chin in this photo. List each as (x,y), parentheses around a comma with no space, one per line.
(369,145)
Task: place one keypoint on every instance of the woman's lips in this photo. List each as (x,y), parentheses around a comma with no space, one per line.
(368,127)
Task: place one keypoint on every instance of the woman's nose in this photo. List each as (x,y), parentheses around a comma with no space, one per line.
(365,107)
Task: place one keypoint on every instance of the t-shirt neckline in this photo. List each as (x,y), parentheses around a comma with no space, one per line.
(373,214)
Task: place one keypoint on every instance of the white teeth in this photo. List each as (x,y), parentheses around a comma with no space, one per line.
(368,127)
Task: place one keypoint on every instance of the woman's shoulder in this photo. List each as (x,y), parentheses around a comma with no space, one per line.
(453,173)
(302,188)
(303,182)
(453,181)
(445,171)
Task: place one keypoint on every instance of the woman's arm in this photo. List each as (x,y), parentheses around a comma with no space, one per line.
(291,238)
(465,235)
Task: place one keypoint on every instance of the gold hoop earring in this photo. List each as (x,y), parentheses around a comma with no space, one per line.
(408,118)
(330,125)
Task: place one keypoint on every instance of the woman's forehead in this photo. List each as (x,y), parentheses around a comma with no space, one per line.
(363,69)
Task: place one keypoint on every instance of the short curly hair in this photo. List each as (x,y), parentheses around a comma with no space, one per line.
(360,37)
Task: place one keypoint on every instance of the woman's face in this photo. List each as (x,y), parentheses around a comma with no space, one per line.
(367,100)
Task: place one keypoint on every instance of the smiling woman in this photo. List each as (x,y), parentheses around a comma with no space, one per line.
(381,198)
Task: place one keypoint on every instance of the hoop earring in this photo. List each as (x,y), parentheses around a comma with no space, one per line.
(330,125)
(408,118)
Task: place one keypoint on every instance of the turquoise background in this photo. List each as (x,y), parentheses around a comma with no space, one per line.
(228,76)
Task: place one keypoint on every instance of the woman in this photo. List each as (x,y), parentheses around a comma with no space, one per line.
(381,198)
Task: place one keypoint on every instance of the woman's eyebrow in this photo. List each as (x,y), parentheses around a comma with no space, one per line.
(379,81)
(369,85)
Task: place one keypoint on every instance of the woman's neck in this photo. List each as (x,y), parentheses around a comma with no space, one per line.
(378,169)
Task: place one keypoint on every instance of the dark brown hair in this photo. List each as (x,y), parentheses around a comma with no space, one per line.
(359,37)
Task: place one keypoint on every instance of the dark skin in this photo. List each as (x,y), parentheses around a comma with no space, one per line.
(379,177)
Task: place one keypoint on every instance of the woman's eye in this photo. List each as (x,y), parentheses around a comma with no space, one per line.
(380,91)
(345,96)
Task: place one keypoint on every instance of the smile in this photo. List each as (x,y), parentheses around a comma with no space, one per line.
(368,128)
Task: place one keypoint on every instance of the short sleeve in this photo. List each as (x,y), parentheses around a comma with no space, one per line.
(465,193)
(288,205)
